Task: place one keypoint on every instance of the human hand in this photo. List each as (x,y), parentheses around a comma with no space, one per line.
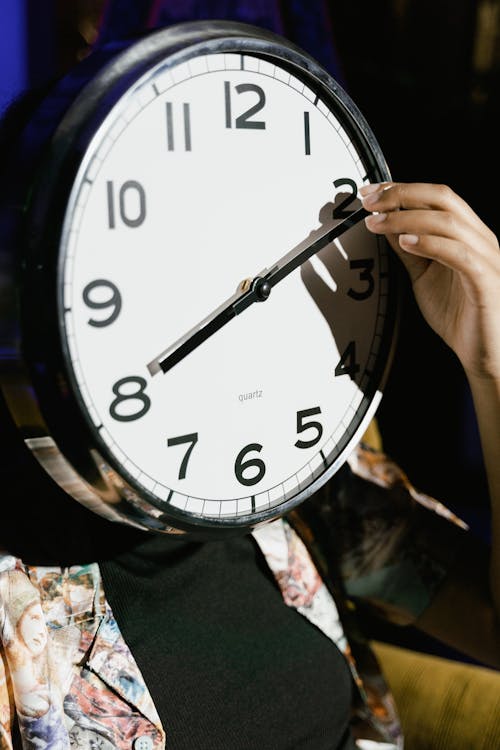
(453,260)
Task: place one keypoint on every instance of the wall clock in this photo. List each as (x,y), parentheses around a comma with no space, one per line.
(203,325)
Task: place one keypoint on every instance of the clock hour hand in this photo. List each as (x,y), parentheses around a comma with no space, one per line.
(248,292)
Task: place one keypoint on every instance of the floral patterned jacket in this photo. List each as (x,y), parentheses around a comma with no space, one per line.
(69,680)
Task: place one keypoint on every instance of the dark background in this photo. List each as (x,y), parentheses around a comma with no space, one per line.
(426,76)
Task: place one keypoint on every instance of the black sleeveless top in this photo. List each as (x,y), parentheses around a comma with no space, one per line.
(229,666)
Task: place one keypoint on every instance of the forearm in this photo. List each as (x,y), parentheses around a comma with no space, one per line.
(453,260)
(486,395)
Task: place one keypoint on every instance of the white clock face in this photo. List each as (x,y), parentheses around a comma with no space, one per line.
(204,174)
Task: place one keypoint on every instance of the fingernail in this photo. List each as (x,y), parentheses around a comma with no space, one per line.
(375,219)
(408,239)
(367,189)
(371,199)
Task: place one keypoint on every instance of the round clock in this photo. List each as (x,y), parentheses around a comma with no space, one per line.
(203,324)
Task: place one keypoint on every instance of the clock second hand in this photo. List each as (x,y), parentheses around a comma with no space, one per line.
(248,292)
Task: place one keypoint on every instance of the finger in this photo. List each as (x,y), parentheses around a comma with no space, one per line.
(423,223)
(394,196)
(420,222)
(452,226)
(451,253)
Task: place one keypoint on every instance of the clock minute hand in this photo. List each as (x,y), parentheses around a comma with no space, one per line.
(307,248)
(249,291)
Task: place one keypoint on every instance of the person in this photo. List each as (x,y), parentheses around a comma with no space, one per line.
(186,645)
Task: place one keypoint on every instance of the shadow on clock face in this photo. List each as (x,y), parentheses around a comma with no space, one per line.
(328,277)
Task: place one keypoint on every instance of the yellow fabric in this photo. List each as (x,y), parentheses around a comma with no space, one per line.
(443,704)
(372,436)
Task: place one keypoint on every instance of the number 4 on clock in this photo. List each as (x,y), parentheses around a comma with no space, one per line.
(347,364)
